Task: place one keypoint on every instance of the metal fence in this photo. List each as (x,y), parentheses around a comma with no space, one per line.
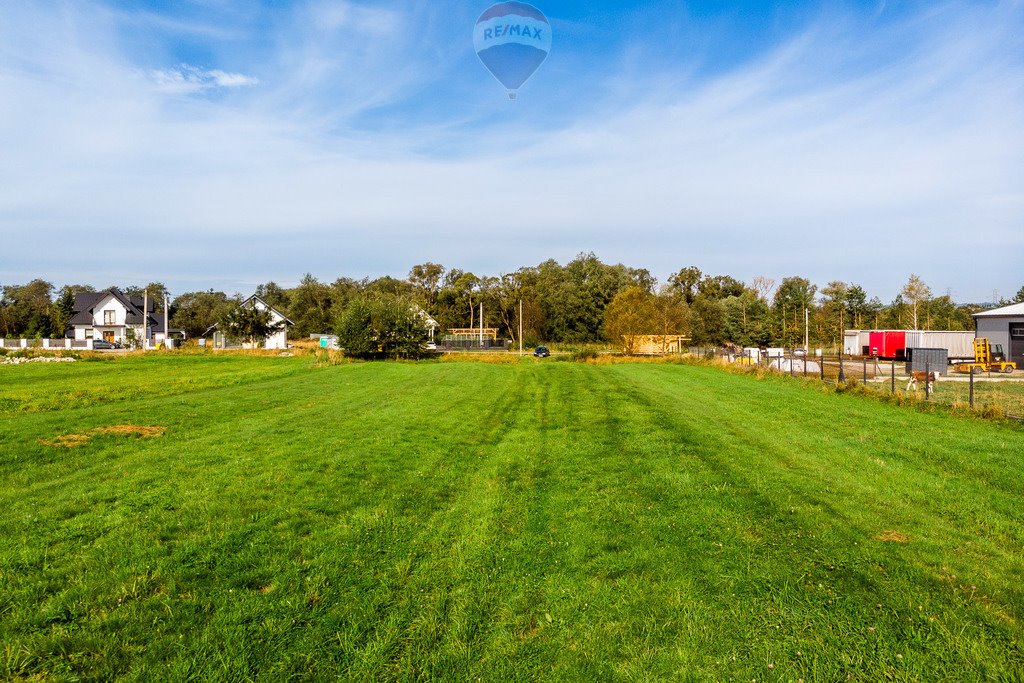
(992,393)
(447,345)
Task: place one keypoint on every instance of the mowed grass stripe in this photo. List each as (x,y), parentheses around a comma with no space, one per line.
(837,510)
(543,521)
(894,466)
(373,451)
(36,387)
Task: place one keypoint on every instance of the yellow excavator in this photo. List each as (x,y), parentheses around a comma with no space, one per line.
(987,358)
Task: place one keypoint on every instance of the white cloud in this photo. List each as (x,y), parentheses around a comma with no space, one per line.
(186,78)
(806,161)
(339,15)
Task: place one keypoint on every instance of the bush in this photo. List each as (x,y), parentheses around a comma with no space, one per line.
(375,328)
(583,355)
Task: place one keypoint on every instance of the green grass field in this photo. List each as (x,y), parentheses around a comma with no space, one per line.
(1008,396)
(473,521)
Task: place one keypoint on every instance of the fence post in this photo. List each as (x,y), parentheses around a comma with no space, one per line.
(821,364)
(842,374)
(972,389)
(892,372)
(865,371)
(927,392)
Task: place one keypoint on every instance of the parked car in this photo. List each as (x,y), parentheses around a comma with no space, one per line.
(103,345)
(541,352)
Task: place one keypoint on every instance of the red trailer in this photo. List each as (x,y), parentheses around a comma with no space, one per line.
(890,345)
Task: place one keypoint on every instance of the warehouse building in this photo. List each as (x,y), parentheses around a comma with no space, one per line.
(894,344)
(1004,326)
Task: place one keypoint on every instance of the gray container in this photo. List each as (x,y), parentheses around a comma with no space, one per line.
(936,360)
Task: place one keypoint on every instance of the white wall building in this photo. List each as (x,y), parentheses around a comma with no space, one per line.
(276,340)
(115,317)
(1004,326)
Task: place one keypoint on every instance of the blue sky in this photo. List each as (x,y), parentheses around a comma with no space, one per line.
(208,143)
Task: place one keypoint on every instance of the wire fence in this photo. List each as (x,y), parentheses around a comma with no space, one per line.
(485,344)
(991,393)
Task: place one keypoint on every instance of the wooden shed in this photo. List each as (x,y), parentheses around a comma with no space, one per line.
(653,344)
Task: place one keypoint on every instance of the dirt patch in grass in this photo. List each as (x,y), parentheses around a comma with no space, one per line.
(892,537)
(81,439)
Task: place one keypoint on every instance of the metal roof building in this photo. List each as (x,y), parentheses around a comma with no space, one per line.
(1004,326)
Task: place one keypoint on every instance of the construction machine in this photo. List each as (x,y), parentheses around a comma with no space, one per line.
(987,358)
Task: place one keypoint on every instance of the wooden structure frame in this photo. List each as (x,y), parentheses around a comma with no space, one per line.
(653,344)
(471,333)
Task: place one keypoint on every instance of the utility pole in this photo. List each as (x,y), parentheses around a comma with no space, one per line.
(145,318)
(807,333)
(520,327)
(481,324)
(167,332)
(842,329)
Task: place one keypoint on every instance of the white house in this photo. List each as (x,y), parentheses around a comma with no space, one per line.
(428,321)
(115,317)
(276,340)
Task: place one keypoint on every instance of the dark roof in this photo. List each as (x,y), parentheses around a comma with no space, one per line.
(86,303)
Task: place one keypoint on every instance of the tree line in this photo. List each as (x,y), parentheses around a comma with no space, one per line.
(584,300)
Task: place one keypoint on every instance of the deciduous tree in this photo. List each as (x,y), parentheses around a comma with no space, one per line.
(309,307)
(154,291)
(748,319)
(708,321)
(720,287)
(793,296)
(381,327)
(631,313)
(916,293)
(197,312)
(685,282)
(426,281)
(27,310)
(249,323)
(275,296)
(763,287)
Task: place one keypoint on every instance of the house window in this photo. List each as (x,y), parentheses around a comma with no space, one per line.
(1017,331)
(88,333)
(109,318)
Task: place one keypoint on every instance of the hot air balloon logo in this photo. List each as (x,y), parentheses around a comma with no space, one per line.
(512,39)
